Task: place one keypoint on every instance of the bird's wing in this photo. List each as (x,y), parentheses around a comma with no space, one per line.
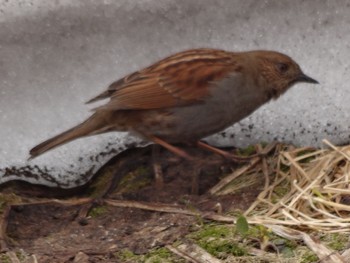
(113,87)
(180,80)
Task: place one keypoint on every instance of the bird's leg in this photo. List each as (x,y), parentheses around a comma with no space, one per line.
(171,148)
(157,168)
(195,179)
(158,173)
(225,154)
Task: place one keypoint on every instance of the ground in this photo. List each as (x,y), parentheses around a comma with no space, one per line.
(76,230)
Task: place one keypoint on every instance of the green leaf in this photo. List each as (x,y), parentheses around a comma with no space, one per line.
(242,226)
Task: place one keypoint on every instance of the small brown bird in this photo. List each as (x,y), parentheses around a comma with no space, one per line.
(187,96)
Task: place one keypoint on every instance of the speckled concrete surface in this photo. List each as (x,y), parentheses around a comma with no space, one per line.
(55,55)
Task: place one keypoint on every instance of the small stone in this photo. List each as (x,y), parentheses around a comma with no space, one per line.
(81,258)
(83,221)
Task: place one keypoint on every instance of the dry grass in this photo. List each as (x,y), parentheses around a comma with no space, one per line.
(306,190)
(310,189)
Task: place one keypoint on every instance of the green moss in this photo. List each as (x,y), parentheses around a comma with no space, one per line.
(161,255)
(287,252)
(251,149)
(279,192)
(224,241)
(309,257)
(264,144)
(218,240)
(135,180)
(5,259)
(267,239)
(222,248)
(158,255)
(335,241)
(247,151)
(20,256)
(8,199)
(97,211)
(126,255)
(213,231)
(98,187)
(161,252)
(142,171)
(259,231)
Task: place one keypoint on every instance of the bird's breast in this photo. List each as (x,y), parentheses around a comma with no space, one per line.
(229,101)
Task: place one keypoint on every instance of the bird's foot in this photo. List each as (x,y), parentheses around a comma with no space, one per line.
(260,153)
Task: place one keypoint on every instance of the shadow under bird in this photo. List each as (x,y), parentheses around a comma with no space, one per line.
(187,96)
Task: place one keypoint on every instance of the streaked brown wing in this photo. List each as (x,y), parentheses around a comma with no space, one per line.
(113,87)
(179,80)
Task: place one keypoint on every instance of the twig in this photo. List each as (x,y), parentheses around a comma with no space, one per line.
(181,254)
(170,209)
(70,202)
(193,253)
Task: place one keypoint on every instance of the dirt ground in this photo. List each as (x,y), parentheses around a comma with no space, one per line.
(98,232)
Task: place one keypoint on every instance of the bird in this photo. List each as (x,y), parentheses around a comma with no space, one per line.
(187,96)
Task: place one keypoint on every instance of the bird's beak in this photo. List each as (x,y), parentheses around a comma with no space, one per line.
(305,78)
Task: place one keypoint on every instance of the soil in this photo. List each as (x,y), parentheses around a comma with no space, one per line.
(96,232)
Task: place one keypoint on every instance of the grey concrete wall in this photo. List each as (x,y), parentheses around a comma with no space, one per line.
(55,55)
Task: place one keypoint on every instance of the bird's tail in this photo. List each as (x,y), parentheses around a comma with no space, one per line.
(93,125)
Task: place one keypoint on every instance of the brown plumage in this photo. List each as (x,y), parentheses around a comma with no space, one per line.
(187,96)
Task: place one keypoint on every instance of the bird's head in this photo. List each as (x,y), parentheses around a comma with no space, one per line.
(279,72)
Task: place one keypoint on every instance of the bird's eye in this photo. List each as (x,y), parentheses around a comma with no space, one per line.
(282,67)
